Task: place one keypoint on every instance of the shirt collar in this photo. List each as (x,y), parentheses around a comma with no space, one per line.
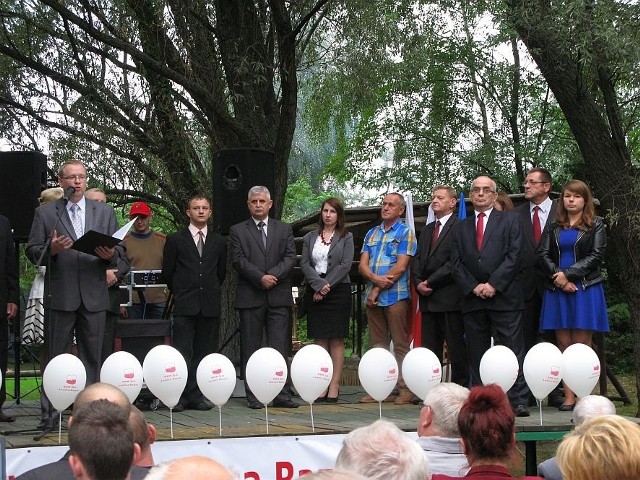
(393,227)
(193,230)
(486,213)
(81,203)
(444,219)
(265,221)
(545,206)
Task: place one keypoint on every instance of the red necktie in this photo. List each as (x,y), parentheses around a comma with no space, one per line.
(480,230)
(436,233)
(535,221)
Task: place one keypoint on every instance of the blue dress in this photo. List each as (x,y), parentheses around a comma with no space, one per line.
(585,309)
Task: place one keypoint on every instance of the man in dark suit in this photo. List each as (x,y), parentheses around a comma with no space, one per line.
(76,296)
(486,263)
(536,214)
(194,265)
(264,255)
(440,296)
(9,294)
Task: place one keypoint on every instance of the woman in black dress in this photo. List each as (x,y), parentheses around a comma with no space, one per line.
(327,255)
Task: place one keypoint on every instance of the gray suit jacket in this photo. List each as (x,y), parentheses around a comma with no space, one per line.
(72,277)
(252,261)
(339,260)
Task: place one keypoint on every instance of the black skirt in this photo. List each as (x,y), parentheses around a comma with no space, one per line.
(329,318)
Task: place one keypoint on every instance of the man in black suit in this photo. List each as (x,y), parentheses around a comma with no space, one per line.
(194,266)
(76,295)
(536,214)
(440,296)
(486,263)
(264,255)
(9,294)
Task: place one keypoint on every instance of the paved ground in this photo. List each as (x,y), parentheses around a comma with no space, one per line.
(240,421)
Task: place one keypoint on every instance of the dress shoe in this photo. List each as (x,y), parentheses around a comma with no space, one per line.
(178,408)
(555,400)
(285,404)
(370,399)
(202,406)
(6,418)
(567,407)
(329,399)
(256,405)
(48,424)
(404,398)
(521,411)
(322,399)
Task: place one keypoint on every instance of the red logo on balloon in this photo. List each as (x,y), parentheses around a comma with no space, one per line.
(435,369)
(392,371)
(71,380)
(279,373)
(324,369)
(216,371)
(555,371)
(170,368)
(596,368)
(129,374)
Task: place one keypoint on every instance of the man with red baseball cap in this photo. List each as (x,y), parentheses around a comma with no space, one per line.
(144,249)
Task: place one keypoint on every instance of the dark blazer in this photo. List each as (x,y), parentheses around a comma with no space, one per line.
(252,261)
(532,273)
(434,265)
(339,260)
(194,281)
(497,262)
(9,292)
(589,252)
(73,277)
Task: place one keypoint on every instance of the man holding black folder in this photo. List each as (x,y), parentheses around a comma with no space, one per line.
(76,296)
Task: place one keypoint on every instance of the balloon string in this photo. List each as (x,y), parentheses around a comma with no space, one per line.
(220,418)
(313,427)
(171,421)
(59,427)
(380,408)
(540,406)
(266,417)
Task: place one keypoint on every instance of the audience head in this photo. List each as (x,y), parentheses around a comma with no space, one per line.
(101,441)
(50,195)
(144,435)
(439,413)
(102,391)
(503,202)
(382,451)
(333,203)
(486,422)
(592,406)
(602,448)
(191,468)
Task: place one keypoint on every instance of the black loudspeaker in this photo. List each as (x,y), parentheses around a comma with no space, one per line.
(234,173)
(23,175)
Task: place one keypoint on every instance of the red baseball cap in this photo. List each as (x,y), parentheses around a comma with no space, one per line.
(139,208)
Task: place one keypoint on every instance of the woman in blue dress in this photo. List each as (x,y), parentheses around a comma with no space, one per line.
(571,252)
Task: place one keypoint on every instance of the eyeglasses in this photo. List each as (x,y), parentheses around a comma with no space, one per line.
(484,190)
(423,405)
(74,177)
(531,182)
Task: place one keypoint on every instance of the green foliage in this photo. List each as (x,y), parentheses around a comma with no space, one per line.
(619,342)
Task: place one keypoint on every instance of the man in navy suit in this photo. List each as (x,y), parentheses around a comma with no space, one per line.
(486,263)
(264,254)
(193,266)
(76,295)
(440,296)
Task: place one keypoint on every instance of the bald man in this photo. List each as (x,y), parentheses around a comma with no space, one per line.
(193,468)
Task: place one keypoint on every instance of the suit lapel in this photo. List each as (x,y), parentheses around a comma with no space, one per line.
(334,241)
(492,224)
(65,220)
(89,215)
(254,232)
(191,245)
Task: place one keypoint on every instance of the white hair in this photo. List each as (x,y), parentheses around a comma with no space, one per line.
(258,189)
(381,451)
(445,400)
(592,406)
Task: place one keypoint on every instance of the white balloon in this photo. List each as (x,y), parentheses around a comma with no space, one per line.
(421,371)
(580,368)
(216,377)
(123,370)
(266,374)
(499,365)
(378,373)
(64,377)
(311,372)
(165,373)
(542,369)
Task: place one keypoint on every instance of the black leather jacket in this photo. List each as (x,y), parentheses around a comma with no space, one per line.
(588,250)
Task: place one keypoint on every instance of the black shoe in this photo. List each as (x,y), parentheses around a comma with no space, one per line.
(567,407)
(6,418)
(178,408)
(202,406)
(48,424)
(322,399)
(256,405)
(555,400)
(521,411)
(286,404)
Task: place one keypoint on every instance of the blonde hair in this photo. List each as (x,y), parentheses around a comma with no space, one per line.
(602,448)
(50,195)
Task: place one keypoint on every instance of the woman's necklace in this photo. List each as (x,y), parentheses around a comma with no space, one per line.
(324,242)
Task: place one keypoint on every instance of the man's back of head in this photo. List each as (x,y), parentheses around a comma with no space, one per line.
(191,468)
(101,442)
(592,406)
(102,391)
(382,451)
(439,415)
(144,435)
